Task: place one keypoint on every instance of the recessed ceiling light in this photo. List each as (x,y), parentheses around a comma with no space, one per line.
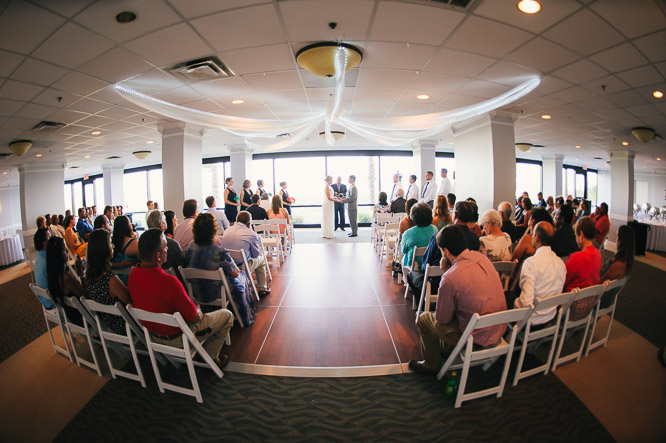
(96,132)
(658,94)
(546,117)
(625,143)
(577,158)
(4,173)
(423,96)
(451,143)
(529,6)
(150,142)
(658,159)
(125,17)
(38,155)
(237,101)
(577,146)
(86,156)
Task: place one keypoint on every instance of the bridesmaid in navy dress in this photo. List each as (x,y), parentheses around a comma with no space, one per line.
(246,195)
(285,197)
(230,202)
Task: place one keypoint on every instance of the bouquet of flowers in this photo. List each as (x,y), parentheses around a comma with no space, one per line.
(237,198)
(291,200)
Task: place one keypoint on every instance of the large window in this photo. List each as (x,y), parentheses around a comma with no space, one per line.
(592,188)
(388,166)
(305,182)
(89,192)
(156,192)
(78,196)
(528,178)
(365,170)
(262,169)
(571,182)
(99,194)
(212,175)
(136,191)
(68,196)
(580,185)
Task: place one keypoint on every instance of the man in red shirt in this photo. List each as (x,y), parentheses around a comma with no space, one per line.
(602,224)
(470,285)
(154,290)
(583,268)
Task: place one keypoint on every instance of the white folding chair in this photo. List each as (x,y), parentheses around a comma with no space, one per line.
(379,223)
(75,274)
(190,347)
(238,255)
(469,357)
(225,292)
(505,270)
(389,237)
(88,332)
(137,332)
(570,326)
(416,252)
(53,316)
(269,275)
(270,238)
(561,303)
(427,296)
(401,215)
(106,334)
(30,255)
(283,235)
(605,305)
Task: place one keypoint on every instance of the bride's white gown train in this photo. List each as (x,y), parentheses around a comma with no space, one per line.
(327,230)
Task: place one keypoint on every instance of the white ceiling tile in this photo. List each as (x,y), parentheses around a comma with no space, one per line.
(619,58)
(153,82)
(32,110)
(584,33)
(580,71)
(404,108)
(409,96)
(273,81)
(94,121)
(89,106)
(480,88)
(205,105)
(14,90)
(71,46)
(250,99)
(496,40)
(641,110)
(78,83)
(13,35)
(67,116)
(542,54)
(507,12)
(642,76)
(115,65)
(289,111)
(170,46)
(257,111)
(572,94)
(377,94)
(308,21)
(67,8)
(35,71)
(594,104)
(430,81)
(428,25)
(295,97)
(642,17)
(118,113)
(8,62)
(507,73)
(260,59)
(238,28)
(626,98)
(196,8)
(223,88)
(151,16)
(653,46)
(178,96)
(386,78)
(448,61)
(459,100)
(10,107)
(117,126)
(323,94)
(611,83)
(370,109)
(661,67)
(396,56)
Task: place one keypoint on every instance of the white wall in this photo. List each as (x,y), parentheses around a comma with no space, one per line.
(10,209)
(656,188)
(41,192)
(603,187)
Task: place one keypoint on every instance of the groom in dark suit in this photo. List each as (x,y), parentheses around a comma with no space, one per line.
(339,190)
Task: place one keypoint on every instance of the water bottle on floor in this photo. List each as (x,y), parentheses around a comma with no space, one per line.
(452,385)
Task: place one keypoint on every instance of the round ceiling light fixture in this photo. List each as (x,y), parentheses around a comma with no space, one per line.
(238,101)
(20,147)
(657,94)
(337,135)
(523,147)
(625,143)
(319,58)
(529,6)
(423,96)
(643,134)
(546,117)
(125,17)
(140,155)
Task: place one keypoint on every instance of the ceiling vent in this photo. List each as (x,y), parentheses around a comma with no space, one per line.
(457,4)
(113,157)
(46,126)
(202,69)
(4,154)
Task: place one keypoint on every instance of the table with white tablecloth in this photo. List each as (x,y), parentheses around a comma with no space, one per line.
(10,250)
(656,235)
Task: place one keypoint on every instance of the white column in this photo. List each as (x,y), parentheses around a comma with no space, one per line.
(114,188)
(485,156)
(240,168)
(423,161)
(181,164)
(552,175)
(41,192)
(621,206)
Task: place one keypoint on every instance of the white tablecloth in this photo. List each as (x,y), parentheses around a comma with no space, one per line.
(656,236)
(10,250)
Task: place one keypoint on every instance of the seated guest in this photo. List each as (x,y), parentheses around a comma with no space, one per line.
(256,211)
(495,244)
(382,207)
(451,199)
(504,210)
(76,246)
(398,205)
(60,282)
(583,268)
(440,214)
(220,217)
(601,224)
(523,221)
(102,286)
(83,228)
(279,213)
(183,232)
(175,256)
(101,222)
(473,227)
(541,275)
(464,217)
(407,222)
(40,239)
(55,228)
(265,202)
(204,254)
(153,290)
(621,264)
(241,237)
(125,246)
(559,202)
(518,209)
(417,236)
(469,286)
(550,204)
(40,222)
(525,248)
(108,212)
(583,210)
(171,222)
(564,241)
(540,201)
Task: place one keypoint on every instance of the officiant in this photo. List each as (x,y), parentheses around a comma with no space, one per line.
(340,191)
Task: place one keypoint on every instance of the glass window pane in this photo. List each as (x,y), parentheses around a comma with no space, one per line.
(78,197)
(156,191)
(68,197)
(389,165)
(227,171)
(571,182)
(89,193)
(364,168)
(136,191)
(564,182)
(592,188)
(99,194)
(580,185)
(213,182)
(263,170)
(304,177)
(528,178)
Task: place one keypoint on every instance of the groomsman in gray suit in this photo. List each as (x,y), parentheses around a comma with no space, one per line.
(352,197)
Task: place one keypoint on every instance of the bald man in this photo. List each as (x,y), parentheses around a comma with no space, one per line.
(542,274)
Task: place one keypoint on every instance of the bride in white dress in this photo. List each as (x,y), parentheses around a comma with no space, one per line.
(327,210)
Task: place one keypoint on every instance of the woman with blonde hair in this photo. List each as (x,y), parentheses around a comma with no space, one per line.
(440,215)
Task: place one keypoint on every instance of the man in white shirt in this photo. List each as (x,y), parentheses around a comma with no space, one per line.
(397,184)
(445,186)
(542,274)
(265,201)
(222,220)
(429,193)
(183,232)
(412,189)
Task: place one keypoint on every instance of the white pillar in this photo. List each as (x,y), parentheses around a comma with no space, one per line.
(486,159)
(240,168)
(424,160)
(552,175)
(181,164)
(41,192)
(114,188)
(621,206)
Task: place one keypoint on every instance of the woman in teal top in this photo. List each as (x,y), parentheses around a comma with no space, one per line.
(418,235)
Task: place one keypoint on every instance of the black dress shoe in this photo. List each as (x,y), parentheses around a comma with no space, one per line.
(418,366)
(352,235)
(221,361)
(264,292)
